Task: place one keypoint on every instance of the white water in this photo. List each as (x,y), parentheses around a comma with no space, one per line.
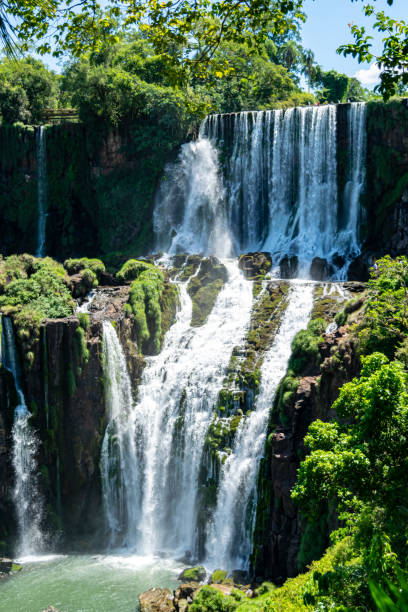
(189,204)
(276,189)
(42,191)
(120,477)
(229,540)
(355,179)
(26,494)
(166,428)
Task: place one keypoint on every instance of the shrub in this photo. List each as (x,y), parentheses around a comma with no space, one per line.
(305,347)
(131,270)
(144,298)
(74,266)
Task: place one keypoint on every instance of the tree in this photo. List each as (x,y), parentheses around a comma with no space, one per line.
(358,464)
(26,88)
(386,314)
(393,61)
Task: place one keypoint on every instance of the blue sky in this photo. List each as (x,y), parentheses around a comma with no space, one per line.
(327,28)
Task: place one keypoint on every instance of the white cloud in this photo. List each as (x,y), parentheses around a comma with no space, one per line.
(368,76)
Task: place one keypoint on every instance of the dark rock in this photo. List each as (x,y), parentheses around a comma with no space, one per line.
(255,265)
(320,270)
(239,577)
(289,267)
(5,565)
(156,600)
(359,269)
(278,528)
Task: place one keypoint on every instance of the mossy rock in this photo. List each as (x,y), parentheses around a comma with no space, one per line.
(218,576)
(193,574)
(255,265)
(204,287)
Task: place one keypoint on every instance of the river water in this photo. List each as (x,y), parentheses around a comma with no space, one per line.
(84,583)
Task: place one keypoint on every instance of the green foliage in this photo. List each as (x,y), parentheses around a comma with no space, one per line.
(144,298)
(252,81)
(26,88)
(305,347)
(211,600)
(32,290)
(131,270)
(85,265)
(84,320)
(386,314)
(392,60)
(357,464)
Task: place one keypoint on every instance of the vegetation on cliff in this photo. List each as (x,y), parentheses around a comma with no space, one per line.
(152,301)
(31,290)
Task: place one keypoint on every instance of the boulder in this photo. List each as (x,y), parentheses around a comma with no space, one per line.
(239,577)
(320,270)
(218,576)
(255,265)
(193,574)
(184,595)
(288,267)
(156,600)
(5,566)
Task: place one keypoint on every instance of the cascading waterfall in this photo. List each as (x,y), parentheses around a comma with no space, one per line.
(276,189)
(42,190)
(355,178)
(189,204)
(26,494)
(169,422)
(120,477)
(229,541)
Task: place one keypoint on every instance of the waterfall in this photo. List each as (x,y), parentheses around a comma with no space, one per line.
(42,191)
(26,494)
(266,180)
(189,204)
(120,477)
(229,540)
(160,439)
(355,177)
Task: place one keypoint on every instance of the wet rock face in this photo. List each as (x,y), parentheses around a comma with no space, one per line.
(289,267)
(255,265)
(320,270)
(156,600)
(278,526)
(65,392)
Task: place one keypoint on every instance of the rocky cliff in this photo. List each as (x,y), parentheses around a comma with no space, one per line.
(283,542)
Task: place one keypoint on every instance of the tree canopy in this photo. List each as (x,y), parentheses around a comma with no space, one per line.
(188,35)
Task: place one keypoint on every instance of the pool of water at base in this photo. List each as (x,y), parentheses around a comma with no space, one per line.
(85,583)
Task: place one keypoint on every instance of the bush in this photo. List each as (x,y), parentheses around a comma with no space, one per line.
(144,298)
(305,347)
(75,266)
(211,600)
(33,289)
(131,270)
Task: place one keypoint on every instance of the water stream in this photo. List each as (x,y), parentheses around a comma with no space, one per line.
(26,494)
(229,542)
(41,191)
